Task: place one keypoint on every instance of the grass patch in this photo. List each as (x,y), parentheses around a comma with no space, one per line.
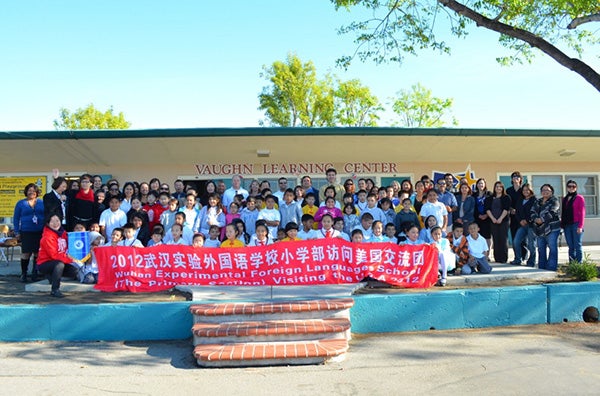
(584,271)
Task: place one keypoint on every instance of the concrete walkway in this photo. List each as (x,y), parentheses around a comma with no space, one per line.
(545,359)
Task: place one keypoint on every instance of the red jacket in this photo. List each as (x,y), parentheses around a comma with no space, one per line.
(53,246)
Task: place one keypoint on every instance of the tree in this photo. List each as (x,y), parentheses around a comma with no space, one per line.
(90,118)
(406,26)
(295,96)
(355,106)
(418,108)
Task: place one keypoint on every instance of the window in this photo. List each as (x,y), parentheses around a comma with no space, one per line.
(587,185)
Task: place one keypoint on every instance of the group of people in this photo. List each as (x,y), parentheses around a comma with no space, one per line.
(149,214)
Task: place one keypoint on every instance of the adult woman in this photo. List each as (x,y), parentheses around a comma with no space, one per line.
(82,204)
(572,220)
(418,196)
(349,186)
(74,185)
(28,219)
(154,184)
(53,258)
(128,194)
(546,225)
(406,186)
(96,182)
(55,200)
(524,231)
(144,190)
(253,189)
(209,188)
(465,214)
(497,207)
(481,218)
(100,204)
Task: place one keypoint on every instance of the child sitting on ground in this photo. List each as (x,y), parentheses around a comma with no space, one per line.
(478,252)
(460,247)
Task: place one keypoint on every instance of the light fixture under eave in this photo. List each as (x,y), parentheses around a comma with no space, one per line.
(263,152)
(566,152)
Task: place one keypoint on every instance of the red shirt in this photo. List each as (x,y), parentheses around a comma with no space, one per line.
(53,246)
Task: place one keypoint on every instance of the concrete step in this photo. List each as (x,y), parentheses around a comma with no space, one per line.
(241,312)
(271,330)
(270,353)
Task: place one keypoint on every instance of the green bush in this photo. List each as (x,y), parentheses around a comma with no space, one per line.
(584,271)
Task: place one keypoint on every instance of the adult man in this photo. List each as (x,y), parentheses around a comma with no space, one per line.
(331,175)
(450,183)
(447,198)
(236,188)
(514,192)
(283,185)
(308,188)
(220,187)
(179,189)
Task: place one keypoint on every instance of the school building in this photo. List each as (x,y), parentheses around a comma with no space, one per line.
(383,154)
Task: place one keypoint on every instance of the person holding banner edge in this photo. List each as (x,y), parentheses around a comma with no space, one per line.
(53,260)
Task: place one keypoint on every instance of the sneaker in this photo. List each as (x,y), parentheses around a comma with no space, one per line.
(57,294)
(441,282)
(516,262)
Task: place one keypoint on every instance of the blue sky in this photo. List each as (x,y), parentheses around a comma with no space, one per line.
(188,63)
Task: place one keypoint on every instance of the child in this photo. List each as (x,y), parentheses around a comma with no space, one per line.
(351,218)
(361,200)
(390,233)
(388,210)
(231,237)
(210,215)
(460,247)
(425,233)
(167,218)
(330,192)
(198,240)
(357,236)
(291,232)
(310,207)
(406,214)
(156,237)
(115,237)
(190,210)
(243,235)
(446,258)
(412,236)
(377,232)
(262,237)
(186,233)
(213,237)
(373,209)
(327,230)
(249,215)
(233,212)
(478,252)
(328,208)
(271,216)
(177,234)
(366,221)
(88,273)
(347,200)
(129,238)
(307,232)
(112,217)
(289,210)
(79,228)
(338,224)
(157,209)
(95,227)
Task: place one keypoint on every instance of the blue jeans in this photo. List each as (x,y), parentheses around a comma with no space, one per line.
(481,265)
(525,233)
(548,251)
(574,242)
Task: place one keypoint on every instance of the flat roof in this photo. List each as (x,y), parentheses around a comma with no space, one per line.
(337,131)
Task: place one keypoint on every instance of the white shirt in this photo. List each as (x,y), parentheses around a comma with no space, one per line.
(111,220)
(230,193)
(311,234)
(477,246)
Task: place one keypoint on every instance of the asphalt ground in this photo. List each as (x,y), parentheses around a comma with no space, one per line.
(544,359)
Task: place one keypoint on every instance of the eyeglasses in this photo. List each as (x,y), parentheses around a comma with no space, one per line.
(441,184)
(85,181)
(571,186)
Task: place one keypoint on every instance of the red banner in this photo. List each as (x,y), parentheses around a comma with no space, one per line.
(316,262)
